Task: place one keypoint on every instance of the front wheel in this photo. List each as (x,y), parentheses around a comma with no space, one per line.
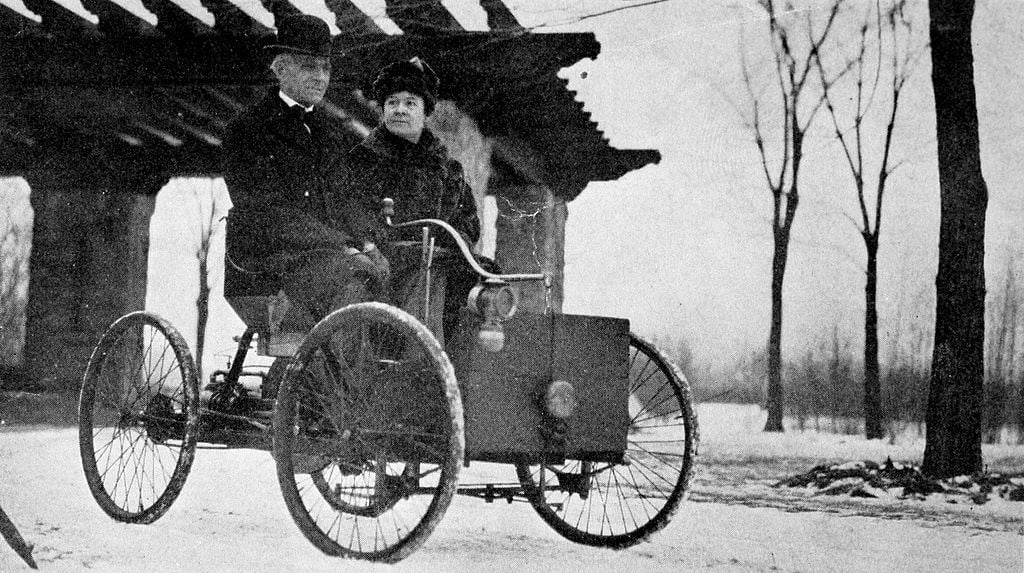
(138,418)
(368,433)
(619,505)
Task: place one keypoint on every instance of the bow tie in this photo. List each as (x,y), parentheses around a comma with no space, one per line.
(300,113)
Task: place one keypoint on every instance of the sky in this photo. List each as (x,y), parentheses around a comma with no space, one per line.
(683,248)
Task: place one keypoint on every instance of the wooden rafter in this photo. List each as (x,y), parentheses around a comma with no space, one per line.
(169,89)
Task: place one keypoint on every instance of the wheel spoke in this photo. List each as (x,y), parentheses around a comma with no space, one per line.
(140,387)
(383,469)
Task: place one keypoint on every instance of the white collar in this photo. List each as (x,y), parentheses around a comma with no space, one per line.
(292,102)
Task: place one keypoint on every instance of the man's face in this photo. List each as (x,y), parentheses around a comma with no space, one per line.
(404,115)
(304,78)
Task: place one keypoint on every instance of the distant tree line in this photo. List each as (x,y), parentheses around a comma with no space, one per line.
(824,390)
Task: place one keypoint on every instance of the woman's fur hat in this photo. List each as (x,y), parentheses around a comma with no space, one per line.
(413,76)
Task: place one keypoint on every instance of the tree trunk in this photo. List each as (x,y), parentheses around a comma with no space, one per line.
(872,385)
(835,381)
(953,439)
(775,393)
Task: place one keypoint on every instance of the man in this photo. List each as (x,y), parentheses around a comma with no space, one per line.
(277,156)
(402,160)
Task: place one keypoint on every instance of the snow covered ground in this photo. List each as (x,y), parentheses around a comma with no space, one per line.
(231,517)
(741,465)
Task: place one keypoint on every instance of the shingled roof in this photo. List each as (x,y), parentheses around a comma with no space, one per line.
(117,91)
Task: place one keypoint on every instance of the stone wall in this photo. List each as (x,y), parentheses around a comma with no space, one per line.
(87,267)
(530,239)
(530,226)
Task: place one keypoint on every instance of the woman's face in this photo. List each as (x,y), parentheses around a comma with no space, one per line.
(304,78)
(404,115)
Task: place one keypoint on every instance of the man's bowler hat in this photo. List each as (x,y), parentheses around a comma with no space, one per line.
(302,34)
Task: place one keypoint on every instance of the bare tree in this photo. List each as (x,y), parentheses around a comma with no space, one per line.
(209,211)
(886,55)
(15,237)
(794,38)
(204,220)
(953,436)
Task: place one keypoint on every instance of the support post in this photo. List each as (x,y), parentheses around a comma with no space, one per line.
(531,238)
(87,267)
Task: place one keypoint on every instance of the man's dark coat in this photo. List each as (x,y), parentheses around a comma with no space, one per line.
(276,173)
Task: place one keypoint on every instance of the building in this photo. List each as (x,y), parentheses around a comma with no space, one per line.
(99,110)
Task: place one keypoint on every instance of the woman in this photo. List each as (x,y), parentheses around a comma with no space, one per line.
(402,160)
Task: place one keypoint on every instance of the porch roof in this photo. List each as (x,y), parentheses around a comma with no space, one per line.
(111,85)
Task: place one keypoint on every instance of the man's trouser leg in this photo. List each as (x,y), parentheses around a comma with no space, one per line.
(327,280)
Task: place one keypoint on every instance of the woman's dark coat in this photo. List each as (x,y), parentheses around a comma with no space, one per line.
(423,181)
(425,184)
(276,173)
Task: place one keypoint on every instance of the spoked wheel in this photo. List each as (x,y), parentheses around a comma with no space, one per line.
(138,418)
(272,381)
(619,505)
(368,435)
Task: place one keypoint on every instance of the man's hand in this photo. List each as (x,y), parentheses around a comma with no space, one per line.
(375,256)
(367,248)
(370,261)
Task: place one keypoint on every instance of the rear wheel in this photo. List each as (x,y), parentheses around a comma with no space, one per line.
(368,436)
(619,505)
(138,418)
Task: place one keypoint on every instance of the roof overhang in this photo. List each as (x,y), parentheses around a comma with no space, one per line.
(125,91)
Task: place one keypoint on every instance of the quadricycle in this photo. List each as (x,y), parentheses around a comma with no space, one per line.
(370,413)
